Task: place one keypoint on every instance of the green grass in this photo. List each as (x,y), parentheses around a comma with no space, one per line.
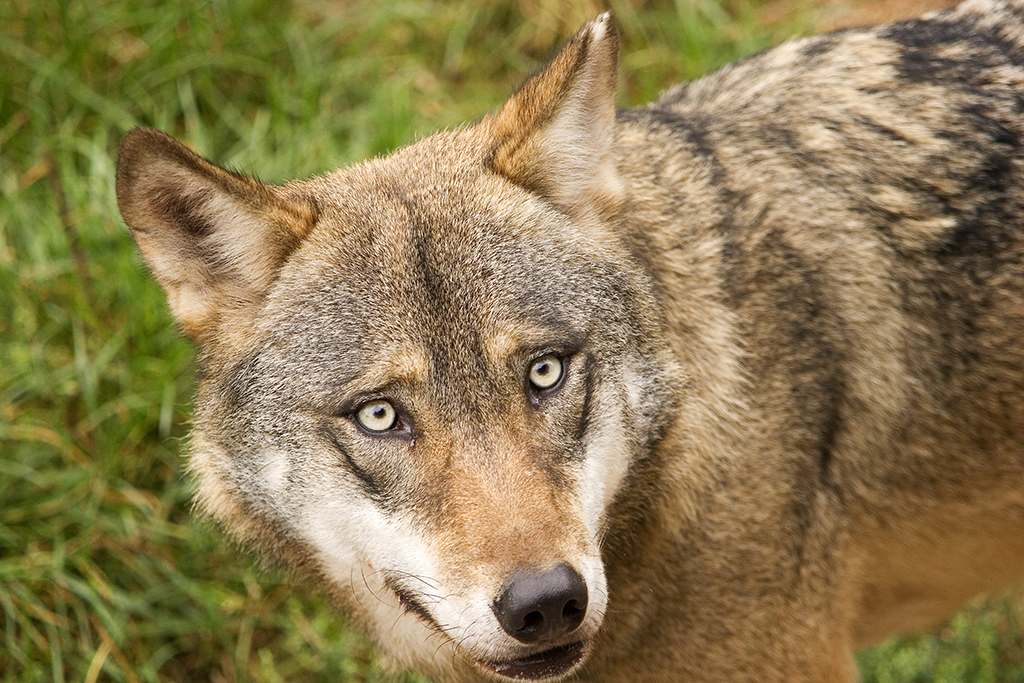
(104,574)
(984,643)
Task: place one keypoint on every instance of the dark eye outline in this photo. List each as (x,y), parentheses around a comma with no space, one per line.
(401,427)
(537,394)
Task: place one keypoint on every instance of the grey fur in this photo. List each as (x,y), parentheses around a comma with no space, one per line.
(790,297)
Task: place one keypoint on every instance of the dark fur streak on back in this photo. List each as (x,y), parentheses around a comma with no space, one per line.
(831,425)
(921,41)
(882,130)
(823,44)
(695,131)
(773,268)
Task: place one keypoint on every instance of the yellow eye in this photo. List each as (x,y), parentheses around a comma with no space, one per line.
(546,372)
(377,416)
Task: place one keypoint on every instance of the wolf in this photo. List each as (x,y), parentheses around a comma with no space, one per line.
(721,388)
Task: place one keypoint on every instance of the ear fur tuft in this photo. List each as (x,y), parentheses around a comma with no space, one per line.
(556,135)
(214,239)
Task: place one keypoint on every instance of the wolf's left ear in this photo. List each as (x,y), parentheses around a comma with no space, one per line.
(556,134)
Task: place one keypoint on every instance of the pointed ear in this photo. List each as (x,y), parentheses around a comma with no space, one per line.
(556,134)
(214,240)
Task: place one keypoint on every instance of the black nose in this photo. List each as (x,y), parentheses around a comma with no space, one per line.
(539,605)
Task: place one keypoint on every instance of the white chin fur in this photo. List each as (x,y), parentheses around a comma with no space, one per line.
(389,546)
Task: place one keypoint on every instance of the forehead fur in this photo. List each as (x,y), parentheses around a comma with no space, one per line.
(436,235)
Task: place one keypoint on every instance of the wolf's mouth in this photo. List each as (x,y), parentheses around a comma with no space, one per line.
(549,664)
(552,663)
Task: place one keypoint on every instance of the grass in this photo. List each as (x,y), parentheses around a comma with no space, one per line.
(104,574)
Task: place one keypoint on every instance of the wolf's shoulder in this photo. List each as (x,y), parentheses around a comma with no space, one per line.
(976,43)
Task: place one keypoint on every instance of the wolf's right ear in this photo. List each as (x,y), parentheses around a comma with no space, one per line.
(556,135)
(213,239)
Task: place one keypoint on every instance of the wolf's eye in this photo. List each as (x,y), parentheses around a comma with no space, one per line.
(546,372)
(377,416)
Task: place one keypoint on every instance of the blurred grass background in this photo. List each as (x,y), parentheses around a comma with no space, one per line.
(104,575)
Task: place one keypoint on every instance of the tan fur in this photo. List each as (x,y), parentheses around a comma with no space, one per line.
(558,130)
(786,302)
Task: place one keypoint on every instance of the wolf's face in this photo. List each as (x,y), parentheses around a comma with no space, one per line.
(435,401)
(425,378)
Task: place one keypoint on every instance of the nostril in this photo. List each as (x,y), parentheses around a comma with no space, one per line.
(533,621)
(572,613)
(539,605)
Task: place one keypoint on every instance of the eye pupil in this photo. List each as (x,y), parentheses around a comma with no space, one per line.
(377,416)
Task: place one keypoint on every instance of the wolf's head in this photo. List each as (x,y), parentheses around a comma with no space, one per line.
(424,379)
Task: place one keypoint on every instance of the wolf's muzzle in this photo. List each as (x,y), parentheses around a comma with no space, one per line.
(542,606)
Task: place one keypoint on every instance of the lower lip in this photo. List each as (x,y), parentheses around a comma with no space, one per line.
(545,665)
